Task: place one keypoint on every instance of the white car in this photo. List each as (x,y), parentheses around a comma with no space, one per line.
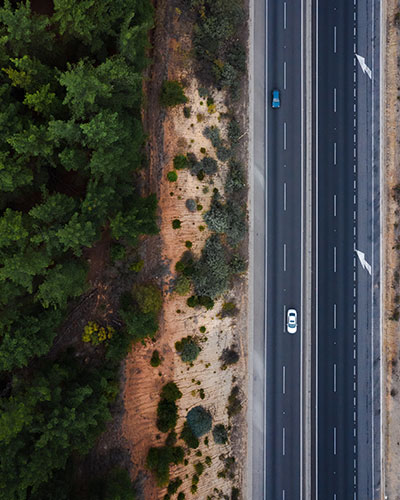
(292,321)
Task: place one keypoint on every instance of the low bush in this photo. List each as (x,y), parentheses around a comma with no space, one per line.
(220,434)
(172,94)
(148,297)
(234,403)
(188,437)
(235,493)
(229,309)
(181,496)
(214,135)
(159,459)
(187,349)
(176,224)
(174,485)
(167,415)
(170,392)
(234,131)
(188,244)
(171,439)
(182,285)
(223,153)
(228,219)
(187,111)
(155,359)
(199,468)
(191,205)
(237,264)
(235,179)
(199,420)
(180,162)
(229,356)
(172,176)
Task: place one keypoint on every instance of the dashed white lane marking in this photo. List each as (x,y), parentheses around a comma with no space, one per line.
(284,15)
(334,100)
(334,259)
(284,75)
(284,136)
(283,441)
(284,196)
(284,256)
(284,318)
(334,39)
(334,441)
(334,205)
(283,379)
(334,316)
(334,377)
(334,153)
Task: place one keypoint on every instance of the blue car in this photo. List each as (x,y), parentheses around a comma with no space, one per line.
(276,100)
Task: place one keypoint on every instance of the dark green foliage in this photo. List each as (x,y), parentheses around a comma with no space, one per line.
(206,166)
(193,301)
(172,94)
(229,356)
(212,273)
(223,153)
(159,460)
(234,132)
(213,133)
(118,486)
(117,252)
(220,434)
(182,285)
(188,244)
(191,205)
(234,403)
(172,176)
(174,485)
(155,359)
(187,349)
(235,493)
(181,496)
(199,420)
(167,415)
(221,57)
(187,111)
(180,162)
(199,468)
(228,219)
(235,179)
(171,439)
(193,489)
(170,392)
(188,437)
(229,309)
(176,224)
(202,329)
(237,264)
(148,298)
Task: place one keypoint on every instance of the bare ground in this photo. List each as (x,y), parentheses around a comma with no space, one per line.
(169,134)
(391,389)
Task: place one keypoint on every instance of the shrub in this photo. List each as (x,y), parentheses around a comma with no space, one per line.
(118,252)
(170,392)
(167,415)
(208,165)
(199,420)
(235,493)
(174,485)
(172,176)
(180,162)
(235,179)
(192,301)
(182,285)
(223,154)
(229,309)
(195,479)
(226,219)
(155,359)
(148,297)
(199,468)
(176,224)
(220,434)
(206,301)
(187,349)
(172,93)
(137,266)
(187,111)
(188,244)
(202,329)
(237,264)
(213,134)
(234,131)
(193,489)
(191,205)
(199,207)
(188,437)
(181,496)
(159,459)
(234,404)
(171,439)
(203,92)
(96,334)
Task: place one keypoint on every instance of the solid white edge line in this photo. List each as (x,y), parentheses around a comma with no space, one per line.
(301,236)
(316,249)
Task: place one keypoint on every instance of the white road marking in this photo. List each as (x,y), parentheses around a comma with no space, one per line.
(284,15)
(284,136)
(283,441)
(284,318)
(334,377)
(363,65)
(334,316)
(284,75)
(363,262)
(284,196)
(284,256)
(334,259)
(334,440)
(334,100)
(334,153)
(334,205)
(283,379)
(334,39)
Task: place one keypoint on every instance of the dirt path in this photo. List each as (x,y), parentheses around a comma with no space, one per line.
(391,389)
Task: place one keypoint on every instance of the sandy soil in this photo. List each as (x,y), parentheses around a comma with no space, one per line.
(170,134)
(391,261)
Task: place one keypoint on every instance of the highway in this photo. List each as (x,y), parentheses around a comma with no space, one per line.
(284,250)
(332,451)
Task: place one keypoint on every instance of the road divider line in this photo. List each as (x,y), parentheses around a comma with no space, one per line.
(284,256)
(334,39)
(334,441)
(284,75)
(283,441)
(334,100)
(334,153)
(283,379)
(334,377)
(334,259)
(284,136)
(284,318)
(284,196)
(334,205)
(284,15)
(334,316)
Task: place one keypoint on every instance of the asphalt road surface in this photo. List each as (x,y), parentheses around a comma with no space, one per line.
(284,243)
